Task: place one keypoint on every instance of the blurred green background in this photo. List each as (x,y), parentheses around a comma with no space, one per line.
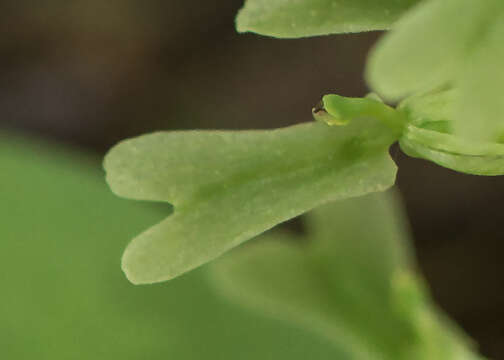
(64,295)
(89,73)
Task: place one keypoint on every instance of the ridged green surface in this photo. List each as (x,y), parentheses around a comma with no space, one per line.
(431,135)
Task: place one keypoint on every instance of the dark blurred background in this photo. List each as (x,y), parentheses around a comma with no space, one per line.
(90,73)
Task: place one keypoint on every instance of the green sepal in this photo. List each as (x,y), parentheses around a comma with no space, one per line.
(302,18)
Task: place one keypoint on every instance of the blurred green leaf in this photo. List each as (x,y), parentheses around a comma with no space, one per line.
(430,47)
(351,279)
(430,136)
(64,296)
(301,18)
(228,187)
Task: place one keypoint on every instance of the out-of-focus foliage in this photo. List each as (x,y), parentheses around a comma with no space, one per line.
(448,42)
(300,18)
(230,186)
(64,296)
(350,278)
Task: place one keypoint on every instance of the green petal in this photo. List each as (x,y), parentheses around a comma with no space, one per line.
(351,280)
(230,186)
(301,18)
(428,46)
(431,46)
(480,107)
(426,109)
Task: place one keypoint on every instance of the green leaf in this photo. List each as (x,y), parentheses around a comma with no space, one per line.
(301,18)
(429,135)
(351,279)
(64,296)
(228,187)
(430,47)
